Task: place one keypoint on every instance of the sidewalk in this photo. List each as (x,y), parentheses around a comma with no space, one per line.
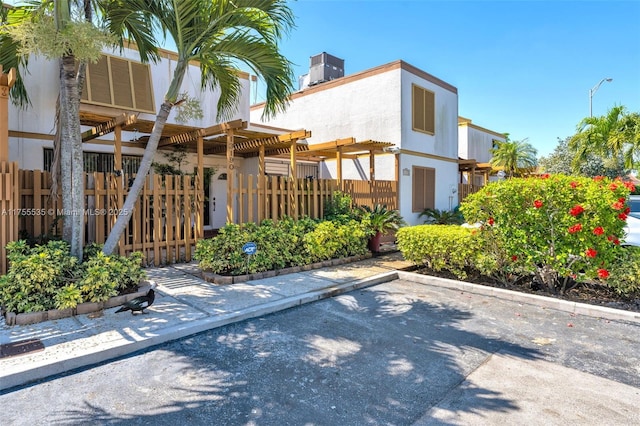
(185,304)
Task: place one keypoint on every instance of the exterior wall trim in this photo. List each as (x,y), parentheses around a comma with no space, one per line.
(399,64)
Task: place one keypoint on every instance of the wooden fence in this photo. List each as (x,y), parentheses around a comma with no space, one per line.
(367,193)
(8,209)
(273,197)
(466,189)
(165,222)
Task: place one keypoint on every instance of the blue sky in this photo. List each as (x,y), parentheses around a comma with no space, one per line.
(523,67)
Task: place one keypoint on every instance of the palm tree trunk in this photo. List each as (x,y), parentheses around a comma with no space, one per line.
(147,158)
(145,165)
(71,161)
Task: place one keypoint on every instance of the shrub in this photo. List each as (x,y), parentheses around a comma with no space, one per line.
(105,276)
(282,244)
(334,239)
(222,254)
(48,277)
(555,227)
(442,217)
(624,272)
(339,208)
(449,247)
(36,275)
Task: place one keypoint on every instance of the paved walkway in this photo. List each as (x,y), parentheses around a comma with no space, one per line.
(184,305)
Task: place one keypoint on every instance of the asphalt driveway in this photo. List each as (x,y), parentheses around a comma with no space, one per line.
(396,353)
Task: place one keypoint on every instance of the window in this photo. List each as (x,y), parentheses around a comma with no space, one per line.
(424,189)
(423,109)
(99,162)
(119,82)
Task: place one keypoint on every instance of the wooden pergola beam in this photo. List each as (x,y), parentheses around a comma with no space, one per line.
(181,138)
(253,144)
(7,80)
(224,127)
(324,146)
(107,127)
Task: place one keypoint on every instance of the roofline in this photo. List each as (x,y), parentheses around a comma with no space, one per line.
(482,129)
(391,66)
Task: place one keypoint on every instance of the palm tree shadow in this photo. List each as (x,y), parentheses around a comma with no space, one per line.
(378,356)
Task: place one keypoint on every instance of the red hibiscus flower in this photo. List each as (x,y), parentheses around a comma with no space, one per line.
(603,273)
(575,228)
(598,178)
(622,216)
(537,204)
(618,205)
(598,230)
(490,221)
(590,252)
(514,258)
(616,242)
(622,200)
(630,186)
(545,176)
(613,186)
(627,210)
(574,184)
(576,210)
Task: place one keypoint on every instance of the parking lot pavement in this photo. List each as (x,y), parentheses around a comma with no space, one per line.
(395,353)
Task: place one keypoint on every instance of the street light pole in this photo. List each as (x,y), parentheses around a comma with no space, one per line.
(593,92)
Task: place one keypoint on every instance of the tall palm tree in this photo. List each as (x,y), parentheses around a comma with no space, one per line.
(514,156)
(50,28)
(218,34)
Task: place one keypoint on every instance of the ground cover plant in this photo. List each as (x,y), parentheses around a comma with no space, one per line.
(47,277)
(554,233)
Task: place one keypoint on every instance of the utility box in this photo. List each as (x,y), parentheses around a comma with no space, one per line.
(324,67)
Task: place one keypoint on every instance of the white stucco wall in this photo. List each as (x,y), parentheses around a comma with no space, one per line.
(42,85)
(476,143)
(444,142)
(367,108)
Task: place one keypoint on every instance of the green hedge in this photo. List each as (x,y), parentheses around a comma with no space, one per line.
(282,244)
(449,247)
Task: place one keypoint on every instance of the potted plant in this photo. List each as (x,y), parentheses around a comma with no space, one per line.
(379,220)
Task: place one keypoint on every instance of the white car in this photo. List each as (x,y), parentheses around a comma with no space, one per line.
(632,229)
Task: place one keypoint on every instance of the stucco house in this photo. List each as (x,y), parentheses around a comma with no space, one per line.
(474,149)
(395,103)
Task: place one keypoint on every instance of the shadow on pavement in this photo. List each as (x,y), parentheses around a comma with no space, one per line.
(374,356)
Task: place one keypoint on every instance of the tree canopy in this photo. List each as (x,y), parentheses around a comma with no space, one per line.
(617,133)
(515,157)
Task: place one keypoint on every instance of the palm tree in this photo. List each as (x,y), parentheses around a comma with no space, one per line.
(616,133)
(50,28)
(218,34)
(514,156)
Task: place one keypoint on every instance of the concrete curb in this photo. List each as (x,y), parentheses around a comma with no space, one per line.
(178,332)
(531,299)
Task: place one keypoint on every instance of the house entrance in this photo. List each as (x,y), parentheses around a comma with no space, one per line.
(218,200)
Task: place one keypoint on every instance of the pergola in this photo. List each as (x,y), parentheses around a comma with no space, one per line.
(232,139)
(7,81)
(471,168)
(348,148)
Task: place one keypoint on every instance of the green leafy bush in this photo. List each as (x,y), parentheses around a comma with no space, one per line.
(334,240)
(105,276)
(340,208)
(555,227)
(449,247)
(47,277)
(282,244)
(624,271)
